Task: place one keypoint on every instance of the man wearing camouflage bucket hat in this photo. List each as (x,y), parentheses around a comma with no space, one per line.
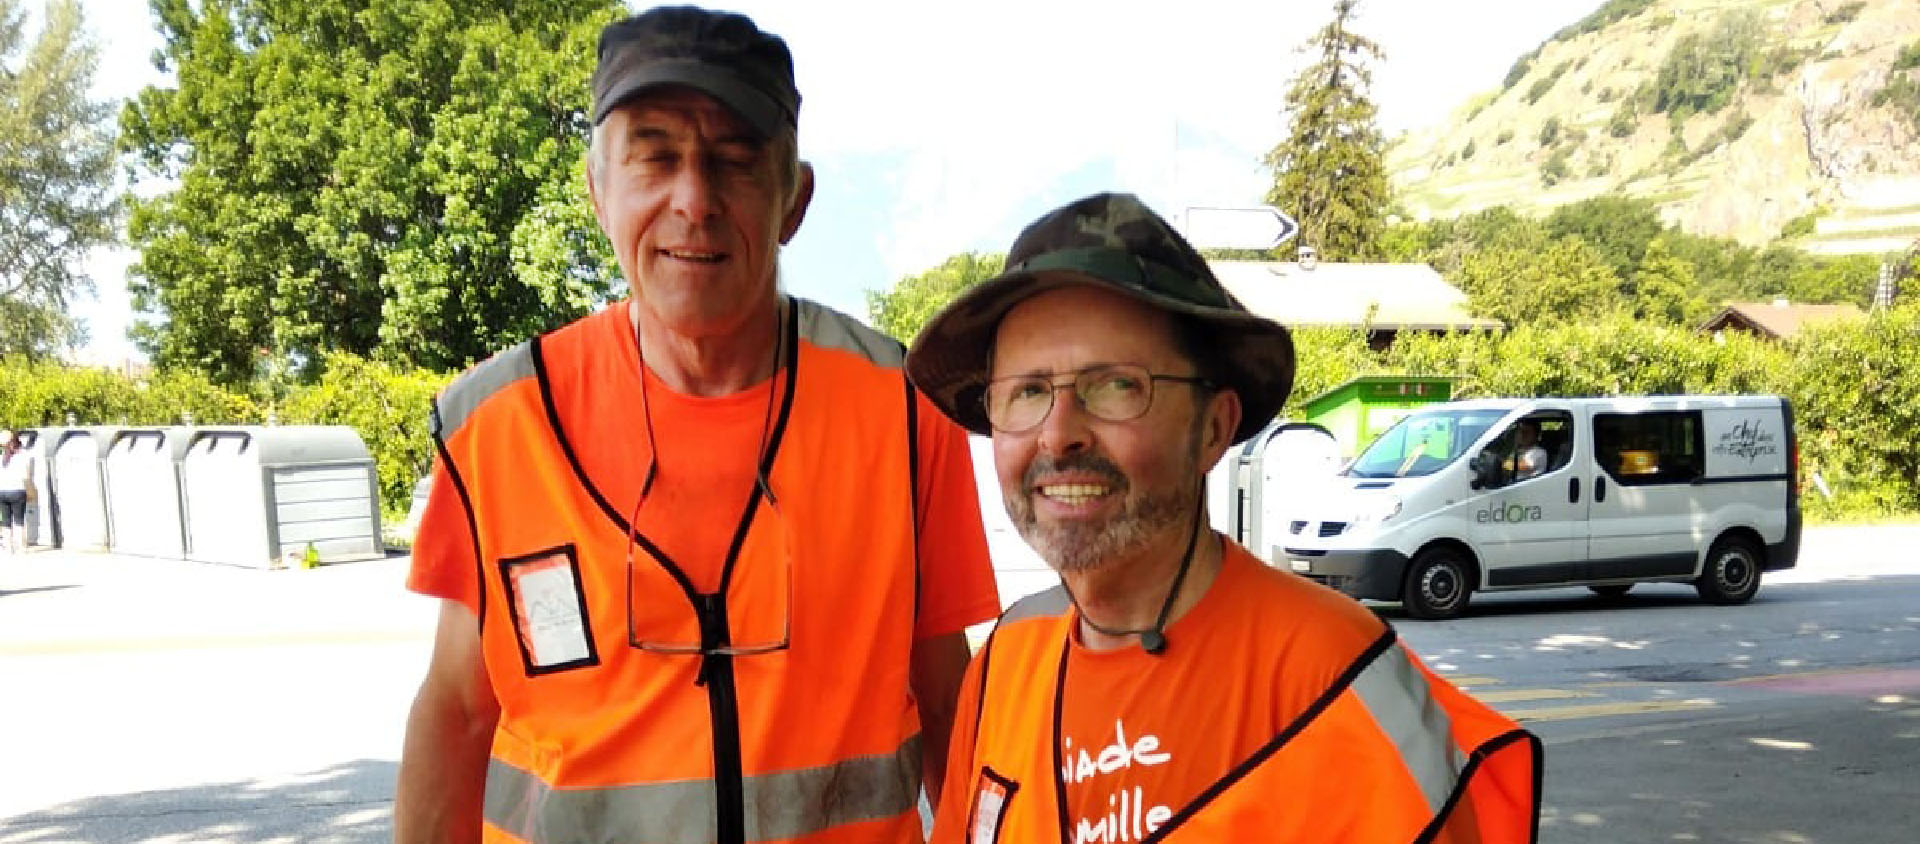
(1111,370)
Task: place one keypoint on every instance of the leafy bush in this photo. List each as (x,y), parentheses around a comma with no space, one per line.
(1541,86)
(1858,399)
(1519,69)
(1803,225)
(387,405)
(45,393)
(1504,136)
(1557,167)
(1908,59)
(1623,123)
(1704,71)
(1845,13)
(1550,131)
(1902,93)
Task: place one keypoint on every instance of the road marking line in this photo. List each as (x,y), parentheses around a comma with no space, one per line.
(1599,710)
(206,641)
(1466,680)
(1520,695)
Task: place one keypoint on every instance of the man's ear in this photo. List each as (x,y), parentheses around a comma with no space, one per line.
(593,195)
(802,197)
(1223,418)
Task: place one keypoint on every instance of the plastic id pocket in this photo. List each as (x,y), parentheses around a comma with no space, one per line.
(549,610)
(990,799)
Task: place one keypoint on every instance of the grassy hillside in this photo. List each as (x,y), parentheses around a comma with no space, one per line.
(1754,119)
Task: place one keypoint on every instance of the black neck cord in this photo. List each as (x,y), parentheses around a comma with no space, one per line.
(1153,639)
(759,465)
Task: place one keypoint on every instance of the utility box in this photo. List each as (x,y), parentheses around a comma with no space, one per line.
(1362,409)
(80,495)
(142,473)
(255,495)
(1261,483)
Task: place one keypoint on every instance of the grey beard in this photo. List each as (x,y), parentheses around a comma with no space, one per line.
(1081,547)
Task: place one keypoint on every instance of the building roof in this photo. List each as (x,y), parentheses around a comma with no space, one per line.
(1779,319)
(1387,297)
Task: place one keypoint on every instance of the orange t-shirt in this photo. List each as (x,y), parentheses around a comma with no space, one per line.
(707,450)
(705,464)
(1141,736)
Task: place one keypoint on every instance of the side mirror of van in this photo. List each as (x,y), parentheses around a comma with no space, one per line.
(1485,465)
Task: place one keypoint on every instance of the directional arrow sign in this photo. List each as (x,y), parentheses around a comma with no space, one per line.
(1239,228)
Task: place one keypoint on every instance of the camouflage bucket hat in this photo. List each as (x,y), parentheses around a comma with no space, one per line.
(1113,241)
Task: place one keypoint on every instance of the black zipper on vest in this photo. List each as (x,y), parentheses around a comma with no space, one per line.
(716,670)
(723,704)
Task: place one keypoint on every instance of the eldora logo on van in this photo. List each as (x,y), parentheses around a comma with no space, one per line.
(1510,512)
(1746,439)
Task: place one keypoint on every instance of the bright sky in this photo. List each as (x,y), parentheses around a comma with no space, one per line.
(940,128)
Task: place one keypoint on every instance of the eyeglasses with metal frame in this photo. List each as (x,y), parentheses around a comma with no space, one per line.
(1117,392)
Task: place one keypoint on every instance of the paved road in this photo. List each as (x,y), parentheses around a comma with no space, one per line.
(153,701)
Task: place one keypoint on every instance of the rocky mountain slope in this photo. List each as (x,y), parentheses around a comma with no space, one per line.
(1754,119)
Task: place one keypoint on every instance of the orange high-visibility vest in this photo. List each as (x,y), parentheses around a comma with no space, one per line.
(601,741)
(1388,753)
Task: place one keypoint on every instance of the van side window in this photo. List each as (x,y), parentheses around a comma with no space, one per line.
(1538,445)
(1642,449)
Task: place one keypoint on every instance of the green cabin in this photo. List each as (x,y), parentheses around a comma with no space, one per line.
(1362,409)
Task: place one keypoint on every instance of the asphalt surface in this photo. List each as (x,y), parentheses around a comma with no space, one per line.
(156,701)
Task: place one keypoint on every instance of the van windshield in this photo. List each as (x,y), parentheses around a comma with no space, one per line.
(1423,443)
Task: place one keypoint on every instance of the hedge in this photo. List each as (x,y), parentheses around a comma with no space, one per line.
(1855,387)
(386,405)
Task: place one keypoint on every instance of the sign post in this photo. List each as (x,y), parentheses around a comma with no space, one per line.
(1260,227)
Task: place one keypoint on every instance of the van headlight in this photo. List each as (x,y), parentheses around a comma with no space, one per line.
(1378,509)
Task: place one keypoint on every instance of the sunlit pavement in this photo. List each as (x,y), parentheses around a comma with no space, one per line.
(158,701)
(1795,718)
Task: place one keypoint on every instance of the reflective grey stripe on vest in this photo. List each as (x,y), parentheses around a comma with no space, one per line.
(1402,704)
(1049,602)
(467,392)
(783,804)
(823,326)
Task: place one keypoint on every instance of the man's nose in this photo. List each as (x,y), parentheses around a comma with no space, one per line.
(1065,430)
(694,195)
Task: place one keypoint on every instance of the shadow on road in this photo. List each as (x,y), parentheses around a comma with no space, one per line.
(1794,777)
(1648,598)
(8,593)
(348,803)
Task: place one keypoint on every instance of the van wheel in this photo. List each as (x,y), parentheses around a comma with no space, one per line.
(1437,584)
(1612,591)
(1732,574)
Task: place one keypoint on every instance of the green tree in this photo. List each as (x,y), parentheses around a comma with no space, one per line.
(914,300)
(391,177)
(56,176)
(1661,289)
(1329,172)
(1568,281)
(1619,227)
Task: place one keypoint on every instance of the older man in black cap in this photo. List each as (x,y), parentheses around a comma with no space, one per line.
(1173,687)
(705,557)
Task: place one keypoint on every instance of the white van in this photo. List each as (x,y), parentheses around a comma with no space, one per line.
(1502,494)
